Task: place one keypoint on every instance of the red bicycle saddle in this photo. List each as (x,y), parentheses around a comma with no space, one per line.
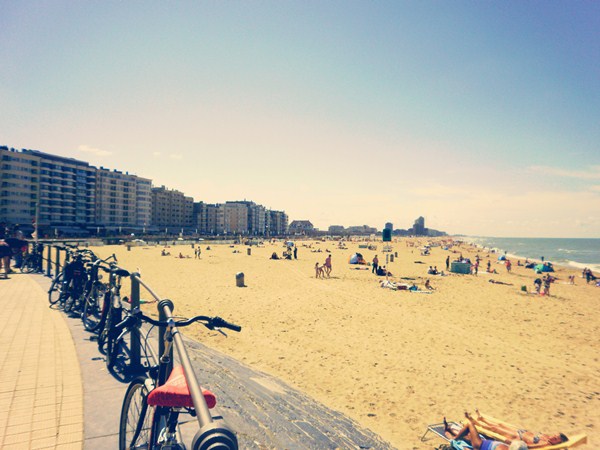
(175,393)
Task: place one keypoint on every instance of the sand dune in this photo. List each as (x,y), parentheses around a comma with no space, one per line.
(394,360)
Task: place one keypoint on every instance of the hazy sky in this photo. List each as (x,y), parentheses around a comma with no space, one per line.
(483,117)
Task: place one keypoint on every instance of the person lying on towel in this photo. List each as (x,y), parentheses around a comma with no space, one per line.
(470,432)
(533,440)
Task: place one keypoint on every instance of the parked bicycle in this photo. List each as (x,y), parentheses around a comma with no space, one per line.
(94,294)
(67,287)
(153,403)
(32,262)
(112,309)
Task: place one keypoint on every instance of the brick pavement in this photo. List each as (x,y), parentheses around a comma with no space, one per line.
(41,395)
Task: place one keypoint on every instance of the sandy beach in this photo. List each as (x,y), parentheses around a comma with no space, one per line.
(396,361)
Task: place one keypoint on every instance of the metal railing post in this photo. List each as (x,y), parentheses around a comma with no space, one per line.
(49,262)
(162,316)
(57,262)
(135,343)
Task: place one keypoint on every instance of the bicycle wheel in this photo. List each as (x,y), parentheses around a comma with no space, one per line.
(136,417)
(118,353)
(69,302)
(92,308)
(28,265)
(56,289)
(112,333)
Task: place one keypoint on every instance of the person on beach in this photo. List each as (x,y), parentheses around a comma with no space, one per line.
(428,285)
(508,265)
(447,263)
(537,283)
(327,266)
(547,281)
(319,271)
(532,440)
(469,432)
(375,264)
(295,252)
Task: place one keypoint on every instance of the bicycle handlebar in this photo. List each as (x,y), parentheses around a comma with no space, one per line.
(209,322)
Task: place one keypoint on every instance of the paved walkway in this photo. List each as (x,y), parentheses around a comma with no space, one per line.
(41,396)
(47,354)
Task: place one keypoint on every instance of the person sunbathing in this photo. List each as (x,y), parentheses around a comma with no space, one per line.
(533,440)
(468,431)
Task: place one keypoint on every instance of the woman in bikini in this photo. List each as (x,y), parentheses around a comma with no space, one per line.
(533,440)
(470,432)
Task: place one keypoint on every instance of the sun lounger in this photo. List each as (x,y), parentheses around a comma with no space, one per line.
(438,429)
(573,441)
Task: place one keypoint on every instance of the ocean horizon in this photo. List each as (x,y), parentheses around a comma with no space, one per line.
(575,253)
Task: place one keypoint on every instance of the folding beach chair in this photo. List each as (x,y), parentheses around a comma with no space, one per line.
(438,429)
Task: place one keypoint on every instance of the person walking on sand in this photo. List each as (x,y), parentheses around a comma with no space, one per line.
(295,252)
(327,265)
(318,270)
(447,263)
(375,264)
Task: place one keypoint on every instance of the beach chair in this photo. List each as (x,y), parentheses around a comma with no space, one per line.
(438,429)
(573,441)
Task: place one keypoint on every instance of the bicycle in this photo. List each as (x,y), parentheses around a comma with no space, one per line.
(58,287)
(32,262)
(94,292)
(112,309)
(150,412)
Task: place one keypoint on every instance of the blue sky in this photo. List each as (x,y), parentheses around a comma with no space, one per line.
(484,117)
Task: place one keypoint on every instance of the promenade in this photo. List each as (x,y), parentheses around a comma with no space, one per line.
(55,391)
(41,394)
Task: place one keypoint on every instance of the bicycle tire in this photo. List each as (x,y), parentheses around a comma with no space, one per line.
(92,309)
(112,334)
(28,265)
(69,302)
(56,289)
(135,413)
(118,348)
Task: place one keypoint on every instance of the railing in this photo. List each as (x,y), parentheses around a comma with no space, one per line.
(206,423)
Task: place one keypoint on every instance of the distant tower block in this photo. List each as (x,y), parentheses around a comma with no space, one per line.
(387,235)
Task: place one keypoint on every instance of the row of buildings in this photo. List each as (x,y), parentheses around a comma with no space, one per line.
(305,227)
(75,197)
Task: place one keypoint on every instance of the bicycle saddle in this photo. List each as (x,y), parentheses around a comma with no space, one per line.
(175,393)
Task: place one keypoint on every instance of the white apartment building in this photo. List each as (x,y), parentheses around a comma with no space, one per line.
(122,199)
(58,191)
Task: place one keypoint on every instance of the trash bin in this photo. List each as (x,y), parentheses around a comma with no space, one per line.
(239,279)
(249,251)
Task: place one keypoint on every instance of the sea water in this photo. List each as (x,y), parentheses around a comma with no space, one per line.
(575,253)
